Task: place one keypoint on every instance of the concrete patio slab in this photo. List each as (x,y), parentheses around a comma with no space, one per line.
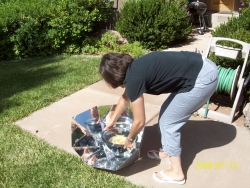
(195,42)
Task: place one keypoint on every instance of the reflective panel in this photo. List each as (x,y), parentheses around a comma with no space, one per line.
(104,149)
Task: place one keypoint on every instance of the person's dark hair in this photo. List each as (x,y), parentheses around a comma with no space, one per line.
(113,68)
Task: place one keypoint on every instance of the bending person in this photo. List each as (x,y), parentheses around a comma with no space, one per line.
(190,78)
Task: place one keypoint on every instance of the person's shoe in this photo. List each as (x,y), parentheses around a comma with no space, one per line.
(166,179)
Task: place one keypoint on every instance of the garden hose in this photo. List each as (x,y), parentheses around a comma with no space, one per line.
(225,82)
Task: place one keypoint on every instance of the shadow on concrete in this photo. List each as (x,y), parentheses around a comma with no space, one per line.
(189,40)
(201,135)
(196,136)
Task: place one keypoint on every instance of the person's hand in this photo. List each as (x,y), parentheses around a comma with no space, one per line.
(84,131)
(129,145)
(88,158)
(95,114)
(92,160)
(109,122)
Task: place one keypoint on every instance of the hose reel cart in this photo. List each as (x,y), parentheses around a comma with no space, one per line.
(235,81)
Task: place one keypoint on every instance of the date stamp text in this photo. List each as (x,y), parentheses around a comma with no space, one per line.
(216,165)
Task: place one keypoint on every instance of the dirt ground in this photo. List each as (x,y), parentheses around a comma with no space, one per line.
(238,118)
(223,104)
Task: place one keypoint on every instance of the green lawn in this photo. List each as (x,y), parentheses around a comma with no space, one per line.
(26,161)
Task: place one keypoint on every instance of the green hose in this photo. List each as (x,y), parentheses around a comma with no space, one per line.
(225,82)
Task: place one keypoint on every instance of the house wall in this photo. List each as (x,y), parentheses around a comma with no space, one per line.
(235,5)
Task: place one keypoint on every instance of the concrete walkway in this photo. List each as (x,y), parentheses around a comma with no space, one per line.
(214,154)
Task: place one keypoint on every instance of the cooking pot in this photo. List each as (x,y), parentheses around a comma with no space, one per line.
(106,135)
(124,122)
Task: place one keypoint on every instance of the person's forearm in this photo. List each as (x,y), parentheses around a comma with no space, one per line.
(135,129)
(139,117)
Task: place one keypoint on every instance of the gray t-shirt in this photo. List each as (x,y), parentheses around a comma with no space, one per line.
(162,72)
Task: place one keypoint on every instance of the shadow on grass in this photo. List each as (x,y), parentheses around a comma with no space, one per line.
(196,137)
(18,76)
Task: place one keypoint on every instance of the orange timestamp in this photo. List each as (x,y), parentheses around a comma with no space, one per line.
(216,165)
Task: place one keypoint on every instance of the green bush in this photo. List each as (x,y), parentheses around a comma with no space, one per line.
(156,24)
(43,27)
(90,45)
(235,28)
(109,43)
(244,4)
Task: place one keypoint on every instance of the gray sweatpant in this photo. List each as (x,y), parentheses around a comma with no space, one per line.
(178,108)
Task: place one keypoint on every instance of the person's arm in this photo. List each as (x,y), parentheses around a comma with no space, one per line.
(85,131)
(138,123)
(119,109)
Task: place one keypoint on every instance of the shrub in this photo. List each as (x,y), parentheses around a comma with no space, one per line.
(109,43)
(90,45)
(244,4)
(44,27)
(236,28)
(156,24)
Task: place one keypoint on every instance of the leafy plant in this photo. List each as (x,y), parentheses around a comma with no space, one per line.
(236,27)
(135,49)
(45,27)
(244,4)
(109,43)
(156,24)
(90,45)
